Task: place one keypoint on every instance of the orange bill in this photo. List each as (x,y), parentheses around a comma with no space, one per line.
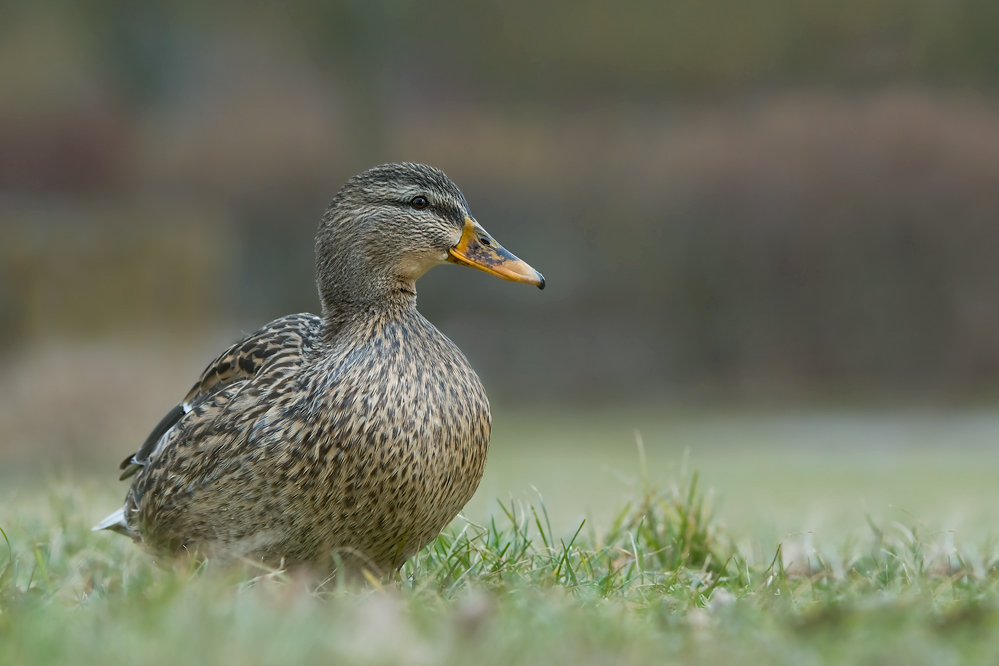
(478,250)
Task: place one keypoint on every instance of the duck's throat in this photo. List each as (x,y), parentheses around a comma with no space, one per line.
(387,296)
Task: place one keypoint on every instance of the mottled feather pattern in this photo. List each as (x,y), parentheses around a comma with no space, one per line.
(240,362)
(350,438)
(284,336)
(325,442)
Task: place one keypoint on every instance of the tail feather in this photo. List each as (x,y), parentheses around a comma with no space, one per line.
(115,522)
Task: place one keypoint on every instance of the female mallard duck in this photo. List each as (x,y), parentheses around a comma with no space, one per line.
(352,437)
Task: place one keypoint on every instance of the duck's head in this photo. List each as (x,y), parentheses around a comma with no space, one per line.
(390,225)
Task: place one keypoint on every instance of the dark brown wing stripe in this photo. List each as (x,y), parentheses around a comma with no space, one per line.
(147,447)
(242,361)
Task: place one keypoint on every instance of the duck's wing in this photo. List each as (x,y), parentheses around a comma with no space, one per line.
(240,362)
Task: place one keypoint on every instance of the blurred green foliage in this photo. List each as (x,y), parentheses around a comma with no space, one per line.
(755,196)
(578,47)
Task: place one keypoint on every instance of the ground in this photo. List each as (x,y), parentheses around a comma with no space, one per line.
(719,539)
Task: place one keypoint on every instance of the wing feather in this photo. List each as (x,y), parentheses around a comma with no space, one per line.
(240,362)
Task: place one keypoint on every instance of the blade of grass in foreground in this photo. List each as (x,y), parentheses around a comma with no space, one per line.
(645,587)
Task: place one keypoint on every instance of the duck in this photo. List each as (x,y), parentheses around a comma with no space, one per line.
(345,441)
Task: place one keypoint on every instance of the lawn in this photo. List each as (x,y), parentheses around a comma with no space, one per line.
(722,539)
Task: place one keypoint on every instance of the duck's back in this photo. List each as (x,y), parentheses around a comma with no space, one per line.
(297,444)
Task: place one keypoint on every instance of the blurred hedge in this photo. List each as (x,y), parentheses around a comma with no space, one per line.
(758,196)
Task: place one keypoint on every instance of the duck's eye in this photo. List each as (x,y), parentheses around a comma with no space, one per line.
(419,203)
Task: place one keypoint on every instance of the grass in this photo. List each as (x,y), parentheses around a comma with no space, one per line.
(660,582)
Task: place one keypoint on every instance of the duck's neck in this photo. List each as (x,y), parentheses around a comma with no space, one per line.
(344,308)
(361,277)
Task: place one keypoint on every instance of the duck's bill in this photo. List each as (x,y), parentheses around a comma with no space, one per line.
(479,250)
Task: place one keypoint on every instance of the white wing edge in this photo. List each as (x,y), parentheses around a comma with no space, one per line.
(116,522)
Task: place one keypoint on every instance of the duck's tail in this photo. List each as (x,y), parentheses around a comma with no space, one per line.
(115,522)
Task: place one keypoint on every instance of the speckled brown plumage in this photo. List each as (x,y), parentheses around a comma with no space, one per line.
(353,437)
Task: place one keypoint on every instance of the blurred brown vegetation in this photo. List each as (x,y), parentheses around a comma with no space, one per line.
(756,198)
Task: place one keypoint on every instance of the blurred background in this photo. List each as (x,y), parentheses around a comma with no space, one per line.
(769,227)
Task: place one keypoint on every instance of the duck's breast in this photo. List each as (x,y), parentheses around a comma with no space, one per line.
(401,428)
